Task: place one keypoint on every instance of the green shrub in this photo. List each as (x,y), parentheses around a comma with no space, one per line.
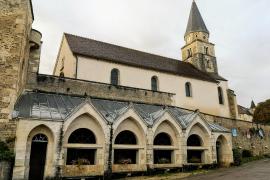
(246,153)
(5,153)
(237,157)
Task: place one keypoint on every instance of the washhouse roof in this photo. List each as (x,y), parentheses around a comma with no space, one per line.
(37,105)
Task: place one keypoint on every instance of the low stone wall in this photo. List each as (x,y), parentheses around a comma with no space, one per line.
(254,142)
(100,90)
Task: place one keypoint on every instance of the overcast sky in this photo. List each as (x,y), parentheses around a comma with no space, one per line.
(239,28)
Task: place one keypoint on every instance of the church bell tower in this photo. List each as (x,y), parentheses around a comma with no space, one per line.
(198,50)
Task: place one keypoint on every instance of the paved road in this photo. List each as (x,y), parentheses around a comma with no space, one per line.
(259,170)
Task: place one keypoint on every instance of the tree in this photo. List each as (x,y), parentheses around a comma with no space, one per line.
(262,113)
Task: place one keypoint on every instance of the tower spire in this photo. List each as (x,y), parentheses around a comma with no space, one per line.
(195,21)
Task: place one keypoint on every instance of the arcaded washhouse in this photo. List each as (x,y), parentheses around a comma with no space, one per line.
(110,109)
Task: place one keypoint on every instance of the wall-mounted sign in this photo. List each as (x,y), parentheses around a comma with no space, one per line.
(261,133)
(234,132)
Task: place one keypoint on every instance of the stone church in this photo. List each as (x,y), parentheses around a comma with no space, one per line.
(110,109)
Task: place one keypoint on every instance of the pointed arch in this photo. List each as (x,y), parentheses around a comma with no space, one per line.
(133,125)
(132,115)
(88,122)
(85,110)
(125,151)
(198,139)
(44,155)
(167,117)
(202,125)
(166,141)
(223,151)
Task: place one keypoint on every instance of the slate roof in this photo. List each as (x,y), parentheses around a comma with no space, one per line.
(35,105)
(195,21)
(252,106)
(217,76)
(243,110)
(117,54)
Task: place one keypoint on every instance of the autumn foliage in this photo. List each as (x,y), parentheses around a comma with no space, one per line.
(262,113)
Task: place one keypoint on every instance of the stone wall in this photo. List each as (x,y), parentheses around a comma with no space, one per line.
(15,25)
(8,131)
(100,90)
(5,170)
(242,141)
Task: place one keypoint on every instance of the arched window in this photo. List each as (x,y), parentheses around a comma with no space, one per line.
(162,139)
(162,156)
(82,136)
(188,89)
(128,155)
(220,95)
(126,137)
(81,155)
(115,77)
(194,155)
(40,138)
(154,83)
(194,140)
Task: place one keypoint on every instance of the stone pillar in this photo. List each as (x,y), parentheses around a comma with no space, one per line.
(232,104)
(149,149)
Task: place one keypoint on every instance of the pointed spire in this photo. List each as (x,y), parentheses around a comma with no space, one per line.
(252,105)
(195,21)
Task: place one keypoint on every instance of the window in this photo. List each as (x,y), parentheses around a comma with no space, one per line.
(154,83)
(115,77)
(194,155)
(220,95)
(161,156)
(188,89)
(194,140)
(81,155)
(126,137)
(162,139)
(189,52)
(127,155)
(206,50)
(82,136)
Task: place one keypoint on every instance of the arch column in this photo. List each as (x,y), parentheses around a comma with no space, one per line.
(223,153)
(149,148)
